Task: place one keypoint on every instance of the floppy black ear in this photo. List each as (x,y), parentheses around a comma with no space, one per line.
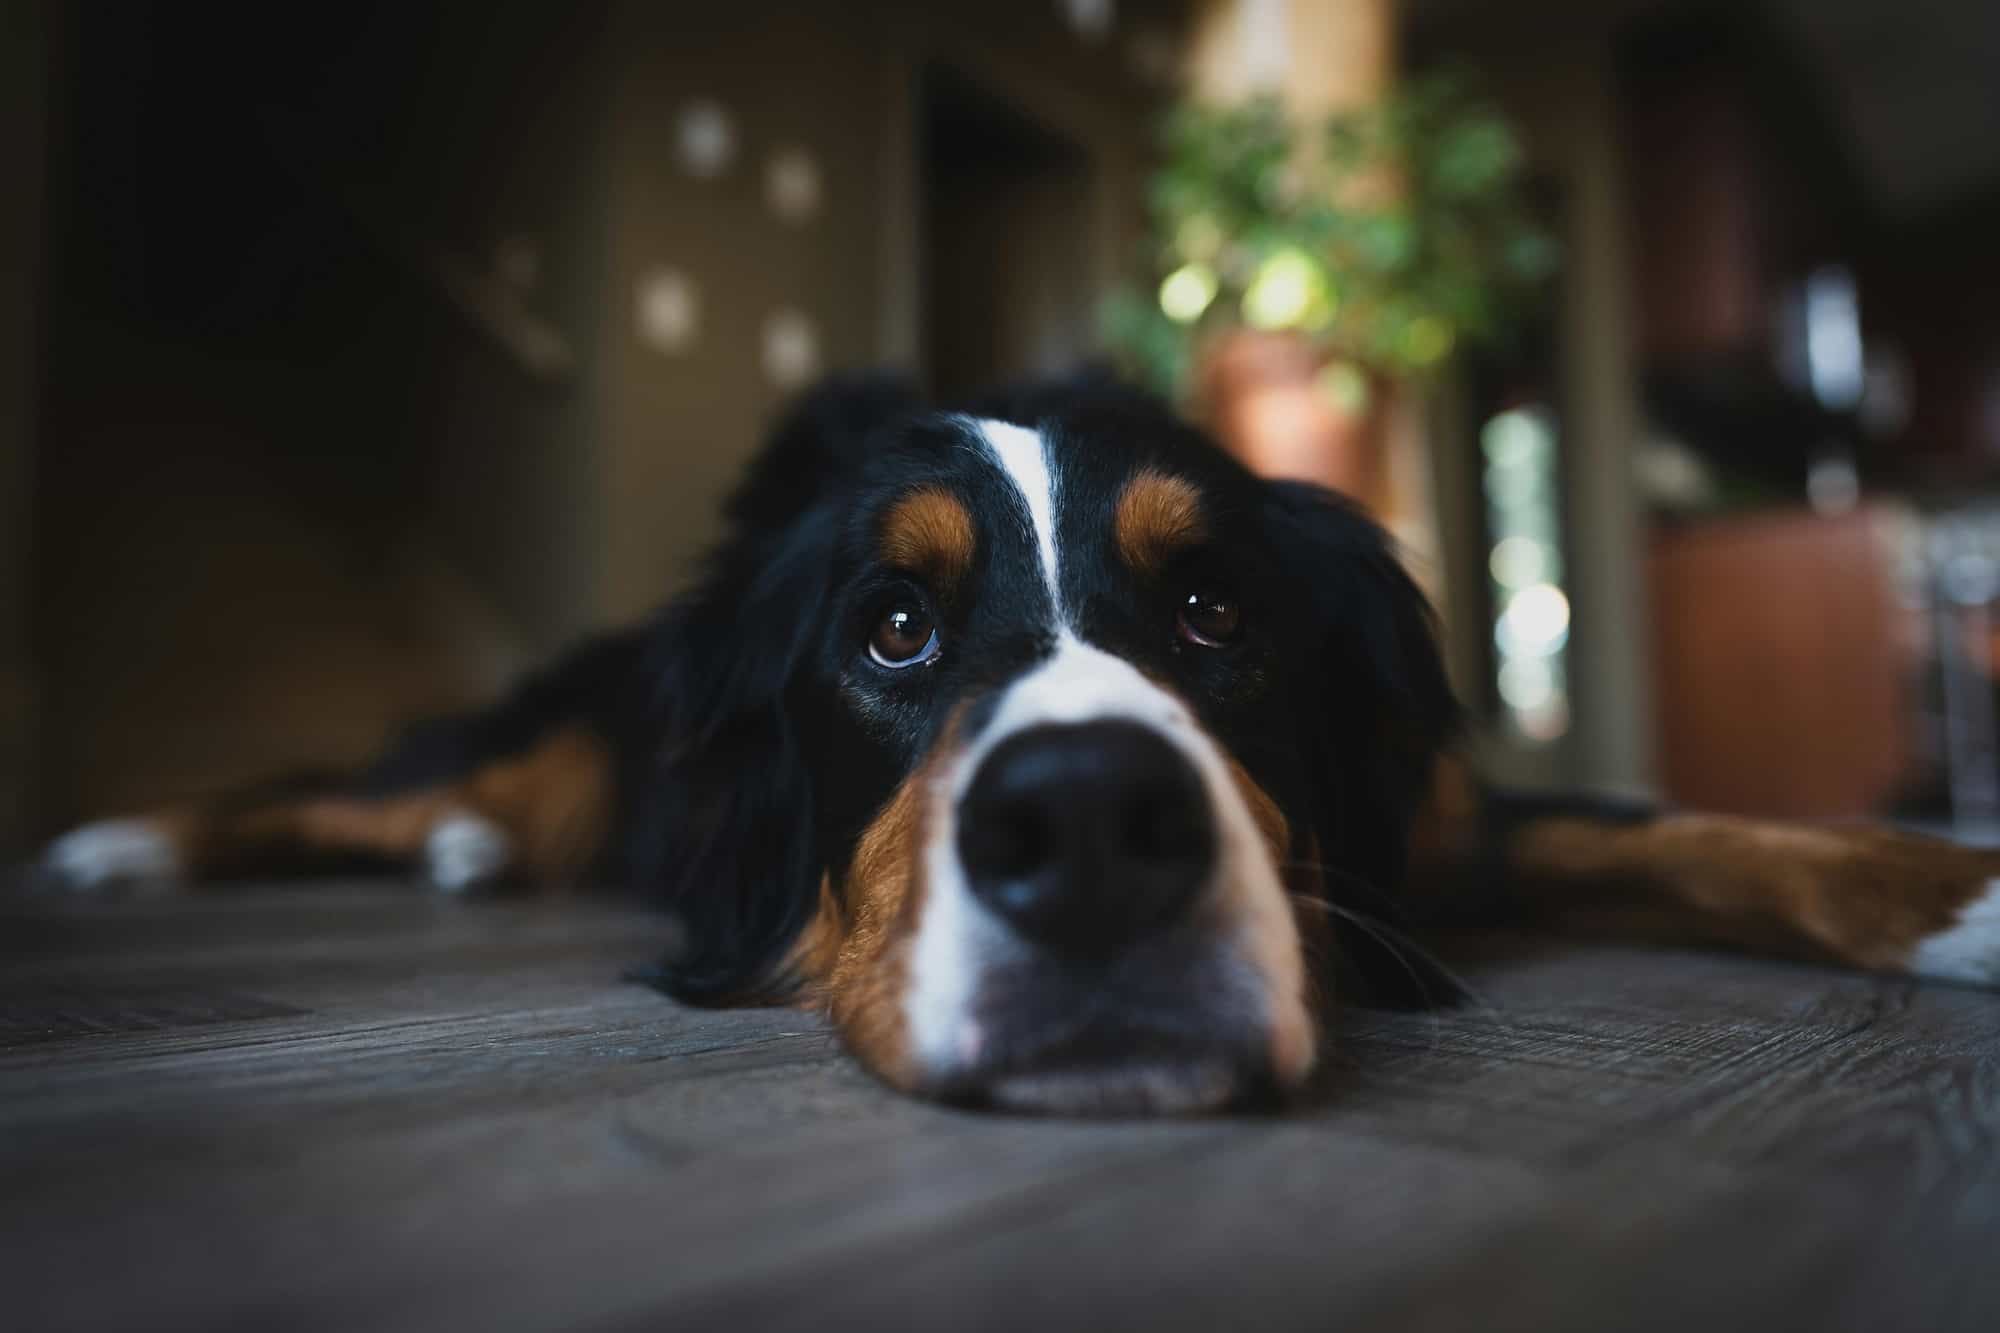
(1377,706)
(822,439)
(722,827)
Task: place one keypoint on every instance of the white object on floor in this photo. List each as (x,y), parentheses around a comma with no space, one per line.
(113,851)
(465,850)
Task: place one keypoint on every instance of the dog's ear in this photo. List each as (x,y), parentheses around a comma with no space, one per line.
(822,439)
(1372,638)
(723,830)
(1376,706)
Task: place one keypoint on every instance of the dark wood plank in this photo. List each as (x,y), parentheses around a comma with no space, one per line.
(357,1107)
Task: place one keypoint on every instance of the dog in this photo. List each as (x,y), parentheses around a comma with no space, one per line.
(1061,761)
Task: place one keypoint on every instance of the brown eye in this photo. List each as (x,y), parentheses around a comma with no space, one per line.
(904,637)
(1209,620)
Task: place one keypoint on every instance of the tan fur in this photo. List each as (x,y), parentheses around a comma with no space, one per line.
(1303,884)
(553,801)
(864,989)
(1157,516)
(1264,812)
(1445,832)
(1851,894)
(1861,896)
(930,532)
(854,956)
(808,966)
(1284,955)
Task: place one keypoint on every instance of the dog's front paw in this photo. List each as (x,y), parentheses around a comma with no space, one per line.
(112,853)
(1969,948)
(464,851)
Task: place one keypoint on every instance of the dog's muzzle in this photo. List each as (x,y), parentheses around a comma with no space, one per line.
(1103,927)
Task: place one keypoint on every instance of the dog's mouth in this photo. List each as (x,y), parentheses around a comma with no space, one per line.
(1119,1073)
(1175,1028)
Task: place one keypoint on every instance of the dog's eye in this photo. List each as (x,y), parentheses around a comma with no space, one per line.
(905,636)
(1209,618)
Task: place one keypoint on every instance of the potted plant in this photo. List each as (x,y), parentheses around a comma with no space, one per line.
(1297,274)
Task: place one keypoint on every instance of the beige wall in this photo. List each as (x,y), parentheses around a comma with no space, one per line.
(676,426)
(842,83)
(267,556)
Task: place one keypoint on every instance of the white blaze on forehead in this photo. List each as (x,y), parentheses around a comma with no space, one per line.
(1023,457)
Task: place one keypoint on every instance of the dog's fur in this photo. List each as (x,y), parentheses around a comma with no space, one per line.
(1101,579)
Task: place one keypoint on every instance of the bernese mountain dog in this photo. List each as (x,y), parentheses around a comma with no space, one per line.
(1062,762)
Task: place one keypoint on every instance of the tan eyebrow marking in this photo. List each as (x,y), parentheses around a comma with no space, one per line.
(930,532)
(1157,516)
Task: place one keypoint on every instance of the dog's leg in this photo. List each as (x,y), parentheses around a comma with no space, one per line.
(540,815)
(1857,895)
(1861,896)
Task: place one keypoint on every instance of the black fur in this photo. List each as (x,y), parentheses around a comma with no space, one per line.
(724,829)
(1338,707)
(752,748)
(1377,710)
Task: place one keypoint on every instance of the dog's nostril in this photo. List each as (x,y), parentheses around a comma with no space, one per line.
(1007,839)
(1085,836)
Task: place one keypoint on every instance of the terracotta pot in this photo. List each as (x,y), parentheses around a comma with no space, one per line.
(1269,403)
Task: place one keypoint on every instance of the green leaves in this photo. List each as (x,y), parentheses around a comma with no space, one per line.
(1389,237)
(1473,157)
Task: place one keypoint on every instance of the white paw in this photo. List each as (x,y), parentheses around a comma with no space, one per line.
(113,851)
(464,851)
(1970,949)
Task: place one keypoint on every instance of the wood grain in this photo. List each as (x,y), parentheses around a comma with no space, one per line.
(354,1106)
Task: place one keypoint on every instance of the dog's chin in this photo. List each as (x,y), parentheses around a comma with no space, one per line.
(1139,1089)
(1126,1041)
(1150,1078)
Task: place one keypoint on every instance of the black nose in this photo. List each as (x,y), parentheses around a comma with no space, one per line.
(1086,836)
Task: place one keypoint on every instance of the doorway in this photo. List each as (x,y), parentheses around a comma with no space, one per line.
(1007,277)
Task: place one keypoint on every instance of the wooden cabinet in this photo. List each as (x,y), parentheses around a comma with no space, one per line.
(1782,664)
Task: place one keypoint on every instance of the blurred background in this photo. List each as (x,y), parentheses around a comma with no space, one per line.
(354,357)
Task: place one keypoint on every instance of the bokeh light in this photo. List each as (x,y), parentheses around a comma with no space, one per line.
(704,139)
(1288,289)
(1531,612)
(1187,291)
(668,310)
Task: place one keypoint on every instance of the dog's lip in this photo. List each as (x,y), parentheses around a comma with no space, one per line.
(1176,1024)
(1136,1088)
(1110,1061)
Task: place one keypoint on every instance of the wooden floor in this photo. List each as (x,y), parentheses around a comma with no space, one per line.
(358,1107)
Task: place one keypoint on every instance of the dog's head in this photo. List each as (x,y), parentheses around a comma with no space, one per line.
(1045,745)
